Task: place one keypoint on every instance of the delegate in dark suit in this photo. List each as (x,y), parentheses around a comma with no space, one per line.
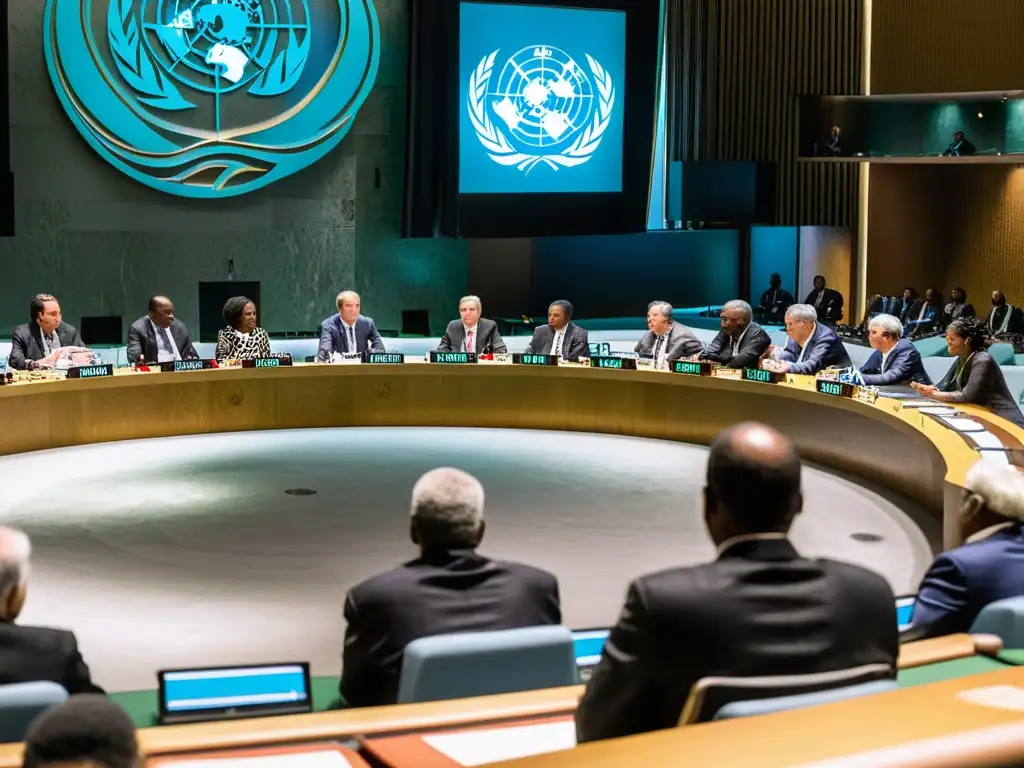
(142,341)
(487,339)
(680,343)
(33,654)
(830,308)
(575,343)
(981,382)
(747,352)
(438,593)
(27,344)
(334,337)
(824,350)
(903,365)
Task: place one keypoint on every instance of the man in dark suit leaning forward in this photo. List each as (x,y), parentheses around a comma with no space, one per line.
(472,333)
(666,340)
(560,336)
(448,588)
(812,346)
(741,343)
(348,332)
(760,609)
(159,337)
(895,359)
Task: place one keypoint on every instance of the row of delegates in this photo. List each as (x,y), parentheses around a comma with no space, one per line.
(41,342)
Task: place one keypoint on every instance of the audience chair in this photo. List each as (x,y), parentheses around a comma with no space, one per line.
(469,664)
(1003,618)
(722,698)
(21,703)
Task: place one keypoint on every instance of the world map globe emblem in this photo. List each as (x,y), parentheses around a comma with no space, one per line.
(542,96)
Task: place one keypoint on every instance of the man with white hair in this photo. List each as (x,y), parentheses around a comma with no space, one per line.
(666,340)
(989,567)
(348,332)
(33,654)
(448,588)
(741,343)
(472,333)
(812,346)
(895,359)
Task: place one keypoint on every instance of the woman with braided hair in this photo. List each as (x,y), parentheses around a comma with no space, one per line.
(975,377)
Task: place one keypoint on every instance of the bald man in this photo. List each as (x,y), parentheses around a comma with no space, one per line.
(31,654)
(759,609)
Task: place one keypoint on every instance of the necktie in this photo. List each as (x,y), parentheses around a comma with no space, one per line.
(657,350)
(821,295)
(557,349)
(167,341)
(469,342)
(351,340)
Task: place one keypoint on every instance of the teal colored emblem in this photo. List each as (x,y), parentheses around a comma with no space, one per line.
(211,98)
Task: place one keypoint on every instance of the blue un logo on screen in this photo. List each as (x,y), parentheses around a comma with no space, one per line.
(542,104)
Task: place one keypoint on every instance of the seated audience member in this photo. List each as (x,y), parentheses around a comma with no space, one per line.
(666,340)
(241,340)
(958,306)
(975,377)
(989,567)
(895,359)
(83,732)
(159,337)
(828,302)
(906,304)
(775,301)
(33,654)
(348,332)
(741,343)
(961,146)
(472,333)
(812,346)
(41,341)
(448,588)
(759,609)
(924,315)
(1004,318)
(560,336)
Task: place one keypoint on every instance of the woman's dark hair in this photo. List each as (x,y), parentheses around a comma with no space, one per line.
(38,305)
(974,331)
(233,309)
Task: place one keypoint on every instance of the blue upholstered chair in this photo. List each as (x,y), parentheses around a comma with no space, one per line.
(481,663)
(21,703)
(721,698)
(1004,618)
(1003,354)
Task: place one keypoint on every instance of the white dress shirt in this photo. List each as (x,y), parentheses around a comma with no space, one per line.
(807,343)
(734,343)
(466,346)
(730,543)
(556,345)
(165,354)
(885,356)
(349,332)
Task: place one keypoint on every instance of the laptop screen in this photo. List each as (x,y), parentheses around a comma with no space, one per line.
(235,690)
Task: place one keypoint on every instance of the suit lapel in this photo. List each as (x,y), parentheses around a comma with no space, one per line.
(458,338)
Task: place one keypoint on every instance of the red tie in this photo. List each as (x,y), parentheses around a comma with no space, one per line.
(469,342)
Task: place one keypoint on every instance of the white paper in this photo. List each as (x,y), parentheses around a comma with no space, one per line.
(985,440)
(916,403)
(939,411)
(999,457)
(963,425)
(1008,697)
(324,759)
(495,744)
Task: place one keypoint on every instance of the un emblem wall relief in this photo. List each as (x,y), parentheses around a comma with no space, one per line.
(211,98)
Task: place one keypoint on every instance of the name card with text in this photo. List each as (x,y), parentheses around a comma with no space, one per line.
(527,359)
(615,363)
(385,358)
(762,376)
(175,366)
(692,367)
(90,371)
(268,362)
(453,358)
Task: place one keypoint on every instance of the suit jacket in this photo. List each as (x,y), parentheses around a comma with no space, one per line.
(27,344)
(680,343)
(760,609)
(824,350)
(36,654)
(916,323)
(439,593)
(574,346)
(142,341)
(964,580)
(901,367)
(487,338)
(755,342)
(905,309)
(981,383)
(775,303)
(831,309)
(953,311)
(333,338)
(998,315)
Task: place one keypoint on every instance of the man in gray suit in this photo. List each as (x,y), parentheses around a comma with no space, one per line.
(39,343)
(472,333)
(159,337)
(560,336)
(667,340)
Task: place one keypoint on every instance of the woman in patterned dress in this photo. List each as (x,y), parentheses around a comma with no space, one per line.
(241,340)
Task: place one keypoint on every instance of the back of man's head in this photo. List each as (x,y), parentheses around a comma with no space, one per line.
(998,487)
(447,510)
(753,482)
(86,731)
(15,552)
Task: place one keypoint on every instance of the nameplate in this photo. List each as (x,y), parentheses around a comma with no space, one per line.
(90,371)
(187,365)
(599,348)
(762,376)
(385,358)
(525,359)
(268,362)
(692,367)
(618,363)
(453,358)
(834,388)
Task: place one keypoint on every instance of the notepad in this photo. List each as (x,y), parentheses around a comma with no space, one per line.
(922,403)
(324,759)
(963,425)
(1008,697)
(492,745)
(939,410)
(985,440)
(999,457)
